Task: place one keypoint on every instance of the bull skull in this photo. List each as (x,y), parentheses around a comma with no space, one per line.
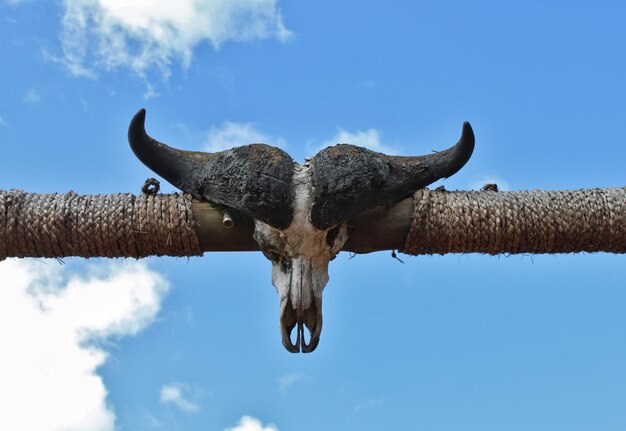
(300,210)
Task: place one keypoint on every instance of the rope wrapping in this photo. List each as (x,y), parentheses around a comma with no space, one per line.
(536,221)
(115,225)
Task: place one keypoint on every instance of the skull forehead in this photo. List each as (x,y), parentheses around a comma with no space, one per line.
(300,238)
(299,241)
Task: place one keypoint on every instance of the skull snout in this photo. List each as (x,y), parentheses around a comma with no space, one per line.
(293,317)
(300,303)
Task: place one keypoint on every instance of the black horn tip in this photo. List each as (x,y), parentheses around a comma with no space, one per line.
(137,124)
(137,132)
(142,114)
(463,150)
(467,134)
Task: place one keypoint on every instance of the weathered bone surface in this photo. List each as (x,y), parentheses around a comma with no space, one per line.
(300,211)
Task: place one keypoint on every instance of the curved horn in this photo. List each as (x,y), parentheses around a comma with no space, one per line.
(254,179)
(349,180)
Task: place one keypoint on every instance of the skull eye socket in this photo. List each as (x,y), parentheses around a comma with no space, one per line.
(270,254)
(332,235)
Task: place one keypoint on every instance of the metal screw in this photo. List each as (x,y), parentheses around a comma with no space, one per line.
(227,219)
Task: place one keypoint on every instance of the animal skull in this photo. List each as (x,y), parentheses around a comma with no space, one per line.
(300,256)
(300,210)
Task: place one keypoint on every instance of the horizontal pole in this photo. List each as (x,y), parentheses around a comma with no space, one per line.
(432,222)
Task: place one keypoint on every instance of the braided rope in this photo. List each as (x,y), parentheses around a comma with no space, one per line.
(116,225)
(518,222)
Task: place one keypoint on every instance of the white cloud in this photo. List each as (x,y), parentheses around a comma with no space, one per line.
(490,179)
(32,96)
(230,135)
(2,122)
(288,380)
(142,34)
(369,138)
(51,325)
(247,423)
(367,83)
(368,404)
(173,394)
(84,104)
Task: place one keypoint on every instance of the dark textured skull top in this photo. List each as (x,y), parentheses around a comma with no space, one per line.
(300,210)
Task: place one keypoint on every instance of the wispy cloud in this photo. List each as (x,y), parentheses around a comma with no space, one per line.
(3,122)
(174,393)
(230,134)
(367,83)
(370,403)
(288,380)
(32,96)
(84,104)
(153,422)
(247,423)
(52,325)
(370,138)
(144,34)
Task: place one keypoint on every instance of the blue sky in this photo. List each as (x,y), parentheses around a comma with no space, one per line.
(439,342)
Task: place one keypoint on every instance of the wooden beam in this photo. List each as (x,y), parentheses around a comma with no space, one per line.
(383,228)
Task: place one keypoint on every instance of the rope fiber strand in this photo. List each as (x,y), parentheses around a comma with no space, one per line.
(534,221)
(115,225)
